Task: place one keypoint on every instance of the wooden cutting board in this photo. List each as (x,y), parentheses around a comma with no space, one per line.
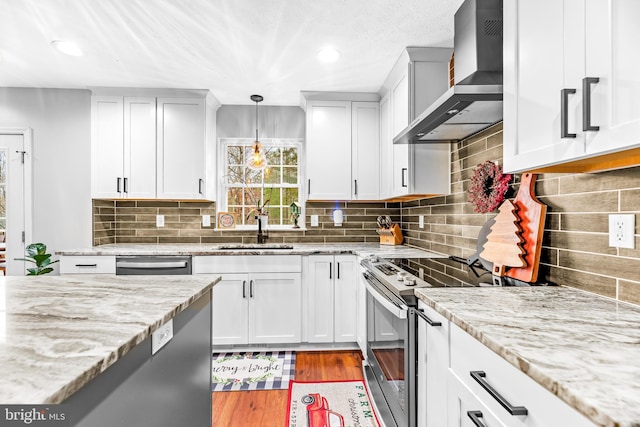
(532,215)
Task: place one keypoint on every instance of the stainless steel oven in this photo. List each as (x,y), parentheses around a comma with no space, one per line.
(389,360)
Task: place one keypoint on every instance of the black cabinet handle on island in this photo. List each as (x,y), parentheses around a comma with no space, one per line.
(513,410)
(475,418)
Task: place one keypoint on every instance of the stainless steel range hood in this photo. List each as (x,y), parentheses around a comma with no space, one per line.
(475,101)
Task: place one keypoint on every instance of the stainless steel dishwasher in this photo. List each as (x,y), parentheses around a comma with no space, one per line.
(153,265)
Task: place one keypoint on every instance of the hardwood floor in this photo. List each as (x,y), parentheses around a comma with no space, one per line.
(268,408)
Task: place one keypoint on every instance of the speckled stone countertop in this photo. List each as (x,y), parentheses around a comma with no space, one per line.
(59,332)
(582,347)
(362,249)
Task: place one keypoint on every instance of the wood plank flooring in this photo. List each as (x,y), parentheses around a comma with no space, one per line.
(268,408)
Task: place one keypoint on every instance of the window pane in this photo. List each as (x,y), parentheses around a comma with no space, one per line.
(252,176)
(275,217)
(234,175)
(3,166)
(3,201)
(252,197)
(289,156)
(289,196)
(290,175)
(273,156)
(234,196)
(272,175)
(273,195)
(234,155)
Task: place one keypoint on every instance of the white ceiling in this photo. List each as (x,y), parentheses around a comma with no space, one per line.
(232,47)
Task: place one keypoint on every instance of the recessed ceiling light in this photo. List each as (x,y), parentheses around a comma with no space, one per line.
(68,48)
(328,55)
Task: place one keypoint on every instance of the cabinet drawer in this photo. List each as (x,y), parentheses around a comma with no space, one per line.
(88,264)
(463,406)
(543,409)
(247,264)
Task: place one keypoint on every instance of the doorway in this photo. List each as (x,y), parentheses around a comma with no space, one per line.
(15,196)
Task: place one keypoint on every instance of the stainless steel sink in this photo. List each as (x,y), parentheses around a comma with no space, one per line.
(255,246)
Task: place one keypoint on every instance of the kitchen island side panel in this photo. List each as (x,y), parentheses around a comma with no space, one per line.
(170,388)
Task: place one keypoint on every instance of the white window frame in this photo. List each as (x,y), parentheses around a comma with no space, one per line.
(221,204)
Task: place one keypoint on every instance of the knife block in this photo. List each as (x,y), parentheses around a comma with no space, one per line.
(391,235)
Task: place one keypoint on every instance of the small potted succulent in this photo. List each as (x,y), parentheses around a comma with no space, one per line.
(37,254)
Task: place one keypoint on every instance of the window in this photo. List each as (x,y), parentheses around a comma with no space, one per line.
(275,188)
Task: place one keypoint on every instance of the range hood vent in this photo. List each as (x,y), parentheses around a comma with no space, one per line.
(475,101)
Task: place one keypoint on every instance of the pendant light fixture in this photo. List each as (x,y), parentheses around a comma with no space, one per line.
(256,159)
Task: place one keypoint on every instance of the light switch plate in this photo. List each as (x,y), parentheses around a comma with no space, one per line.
(161,336)
(421,221)
(159,220)
(621,230)
(206,220)
(314,220)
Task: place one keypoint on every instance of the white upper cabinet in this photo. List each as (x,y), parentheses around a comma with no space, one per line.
(365,150)
(123,147)
(419,77)
(570,85)
(342,149)
(107,146)
(181,148)
(139,147)
(328,150)
(149,147)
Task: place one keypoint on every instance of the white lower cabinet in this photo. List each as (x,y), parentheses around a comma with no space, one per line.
(433,366)
(82,264)
(485,376)
(258,301)
(332,285)
(361,313)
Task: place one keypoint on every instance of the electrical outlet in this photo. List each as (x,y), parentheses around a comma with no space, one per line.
(314,220)
(206,220)
(421,273)
(159,220)
(621,231)
(421,221)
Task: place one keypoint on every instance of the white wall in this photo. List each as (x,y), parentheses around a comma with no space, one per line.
(61,123)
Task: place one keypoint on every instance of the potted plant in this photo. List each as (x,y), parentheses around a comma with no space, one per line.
(37,254)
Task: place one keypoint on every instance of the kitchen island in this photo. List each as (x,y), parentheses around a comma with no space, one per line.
(85,342)
(583,348)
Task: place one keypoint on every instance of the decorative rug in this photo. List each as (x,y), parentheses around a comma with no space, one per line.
(267,370)
(330,403)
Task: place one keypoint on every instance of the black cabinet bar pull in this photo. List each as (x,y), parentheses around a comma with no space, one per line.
(355,185)
(86,265)
(126,185)
(404,173)
(244,289)
(330,268)
(338,273)
(250,288)
(420,313)
(513,410)
(564,113)
(118,184)
(200,184)
(475,418)
(309,187)
(586,104)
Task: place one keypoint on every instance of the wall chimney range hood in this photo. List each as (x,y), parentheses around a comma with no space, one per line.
(475,101)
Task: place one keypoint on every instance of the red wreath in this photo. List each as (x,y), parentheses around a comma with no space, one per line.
(488,187)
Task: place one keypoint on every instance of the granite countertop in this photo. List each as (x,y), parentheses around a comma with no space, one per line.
(361,249)
(582,347)
(59,332)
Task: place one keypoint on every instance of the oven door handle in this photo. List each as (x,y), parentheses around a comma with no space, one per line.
(398,311)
